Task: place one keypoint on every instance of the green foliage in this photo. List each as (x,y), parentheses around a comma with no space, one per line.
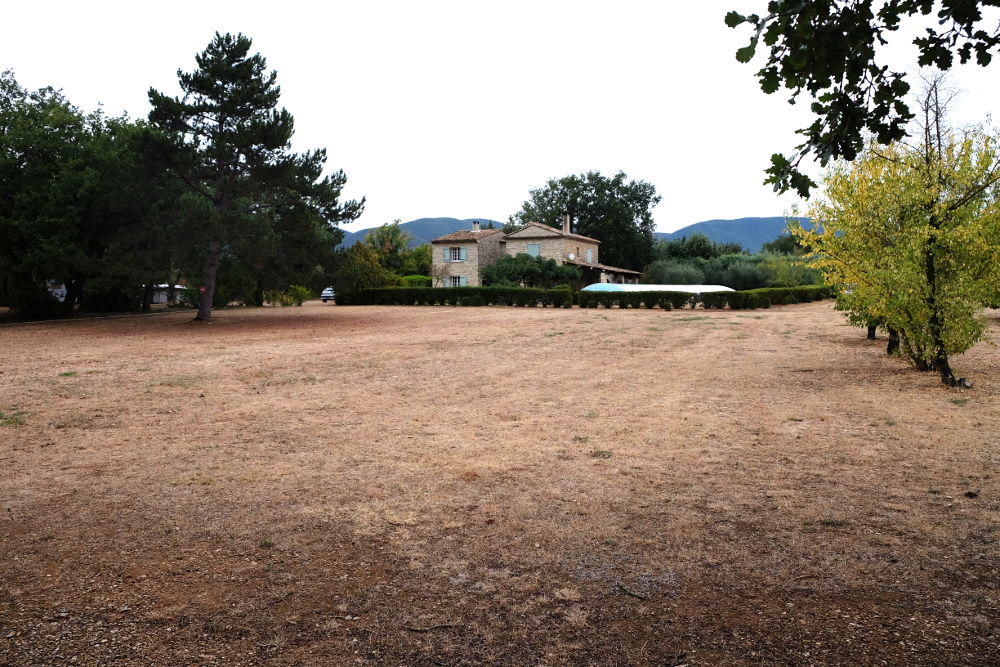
(358,268)
(277,297)
(690,247)
(523,269)
(393,247)
(665,300)
(765,297)
(910,237)
(228,141)
(416,261)
(295,295)
(787,271)
(416,281)
(299,294)
(673,272)
(828,49)
(786,244)
(15,418)
(615,211)
(460,296)
(66,191)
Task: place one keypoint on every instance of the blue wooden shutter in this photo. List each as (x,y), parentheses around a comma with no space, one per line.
(465,253)
(447,250)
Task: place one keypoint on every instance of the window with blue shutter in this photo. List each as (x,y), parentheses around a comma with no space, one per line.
(534,249)
(464,254)
(590,255)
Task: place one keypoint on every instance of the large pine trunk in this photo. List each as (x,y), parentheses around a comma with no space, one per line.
(209,273)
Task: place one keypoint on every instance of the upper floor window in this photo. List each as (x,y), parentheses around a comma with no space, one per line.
(456,254)
(534,249)
(590,255)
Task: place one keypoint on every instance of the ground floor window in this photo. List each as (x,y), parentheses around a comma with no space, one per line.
(458,281)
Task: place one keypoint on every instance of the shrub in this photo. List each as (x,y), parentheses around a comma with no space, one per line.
(278,298)
(715,299)
(416,281)
(673,272)
(299,293)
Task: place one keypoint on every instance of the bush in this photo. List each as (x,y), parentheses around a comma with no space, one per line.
(278,298)
(34,302)
(715,299)
(673,272)
(299,293)
(416,281)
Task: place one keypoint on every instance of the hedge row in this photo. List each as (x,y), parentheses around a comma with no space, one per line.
(665,300)
(765,297)
(528,296)
(458,296)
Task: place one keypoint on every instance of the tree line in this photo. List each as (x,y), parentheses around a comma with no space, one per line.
(205,188)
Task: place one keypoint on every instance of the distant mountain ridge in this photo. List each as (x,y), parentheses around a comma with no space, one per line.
(423,230)
(751,233)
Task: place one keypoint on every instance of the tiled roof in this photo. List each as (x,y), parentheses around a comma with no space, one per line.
(466,235)
(603,267)
(549,233)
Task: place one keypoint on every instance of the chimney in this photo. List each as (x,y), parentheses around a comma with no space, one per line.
(566,224)
(475,225)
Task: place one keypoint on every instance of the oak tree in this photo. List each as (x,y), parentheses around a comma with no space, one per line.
(829,50)
(615,211)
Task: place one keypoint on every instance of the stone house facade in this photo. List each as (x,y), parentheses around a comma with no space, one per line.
(458,257)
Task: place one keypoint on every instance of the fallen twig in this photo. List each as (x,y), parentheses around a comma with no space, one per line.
(626,591)
(432,627)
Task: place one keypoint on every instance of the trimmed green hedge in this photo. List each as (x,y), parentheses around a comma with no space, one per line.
(564,298)
(765,297)
(665,300)
(458,296)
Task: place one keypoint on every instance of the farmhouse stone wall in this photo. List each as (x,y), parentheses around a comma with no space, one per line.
(579,248)
(483,252)
(547,248)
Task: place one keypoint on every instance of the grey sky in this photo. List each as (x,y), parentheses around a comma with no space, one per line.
(439,108)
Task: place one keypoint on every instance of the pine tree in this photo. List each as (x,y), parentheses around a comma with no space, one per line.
(229,142)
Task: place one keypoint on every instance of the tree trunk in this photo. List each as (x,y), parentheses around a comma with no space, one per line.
(871,331)
(936,320)
(147,296)
(258,294)
(209,273)
(893,346)
(947,377)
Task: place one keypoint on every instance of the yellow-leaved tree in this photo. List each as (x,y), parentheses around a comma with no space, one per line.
(910,234)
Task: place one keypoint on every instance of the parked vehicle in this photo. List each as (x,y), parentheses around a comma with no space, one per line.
(327,294)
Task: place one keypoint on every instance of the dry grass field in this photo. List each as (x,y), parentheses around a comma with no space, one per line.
(333,485)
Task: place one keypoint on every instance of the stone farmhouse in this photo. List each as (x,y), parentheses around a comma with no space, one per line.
(458,257)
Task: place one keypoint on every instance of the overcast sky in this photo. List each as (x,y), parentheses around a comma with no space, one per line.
(458,109)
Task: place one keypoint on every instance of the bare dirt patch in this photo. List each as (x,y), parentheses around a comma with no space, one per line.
(354,485)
